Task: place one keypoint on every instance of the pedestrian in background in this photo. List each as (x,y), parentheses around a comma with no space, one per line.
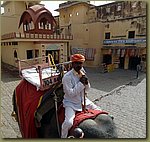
(138,67)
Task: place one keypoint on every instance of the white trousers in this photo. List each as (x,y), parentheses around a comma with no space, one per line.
(69,118)
(68,122)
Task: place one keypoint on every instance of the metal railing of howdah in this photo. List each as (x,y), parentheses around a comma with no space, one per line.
(48,73)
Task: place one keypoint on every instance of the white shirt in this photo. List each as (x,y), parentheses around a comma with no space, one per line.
(74,90)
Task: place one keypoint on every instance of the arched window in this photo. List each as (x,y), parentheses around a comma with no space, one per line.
(26,26)
(15,54)
(43,23)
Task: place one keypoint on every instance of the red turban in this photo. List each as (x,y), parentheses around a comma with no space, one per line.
(77,58)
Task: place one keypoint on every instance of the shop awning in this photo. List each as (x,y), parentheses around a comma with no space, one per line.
(53,47)
(119,47)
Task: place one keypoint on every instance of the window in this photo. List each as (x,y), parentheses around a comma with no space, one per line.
(119,8)
(36,53)
(131,34)
(49,26)
(107,35)
(107,26)
(14,43)
(29,54)
(108,10)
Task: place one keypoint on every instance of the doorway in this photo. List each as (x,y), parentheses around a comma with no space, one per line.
(55,55)
(122,58)
(107,59)
(121,64)
(133,62)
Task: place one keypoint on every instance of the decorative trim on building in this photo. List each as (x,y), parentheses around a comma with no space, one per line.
(36,36)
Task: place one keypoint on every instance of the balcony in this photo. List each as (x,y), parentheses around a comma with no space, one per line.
(15,35)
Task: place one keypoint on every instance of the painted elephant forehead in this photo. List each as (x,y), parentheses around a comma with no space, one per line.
(89,114)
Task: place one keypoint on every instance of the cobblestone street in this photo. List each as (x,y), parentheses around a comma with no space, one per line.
(117,92)
(124,97)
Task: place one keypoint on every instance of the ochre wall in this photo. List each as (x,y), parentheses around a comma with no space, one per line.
(89,36)
(10,24)
(82,17)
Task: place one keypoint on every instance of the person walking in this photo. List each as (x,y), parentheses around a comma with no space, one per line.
(138,67)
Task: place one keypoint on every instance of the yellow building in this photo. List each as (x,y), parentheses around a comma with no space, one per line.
(74,19)
(113,33)
(31,33)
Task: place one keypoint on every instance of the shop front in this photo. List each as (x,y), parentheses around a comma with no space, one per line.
(124,54)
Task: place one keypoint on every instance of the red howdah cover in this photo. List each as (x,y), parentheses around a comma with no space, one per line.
(27,99)
(80,116)
(88,114)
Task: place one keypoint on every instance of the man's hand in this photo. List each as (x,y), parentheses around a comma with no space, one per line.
(84,80)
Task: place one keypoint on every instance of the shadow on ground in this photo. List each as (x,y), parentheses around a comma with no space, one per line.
(9,73)
(101,81)
(109,81)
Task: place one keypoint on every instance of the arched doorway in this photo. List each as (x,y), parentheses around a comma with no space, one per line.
(54,50)
(55,55)
(15,56)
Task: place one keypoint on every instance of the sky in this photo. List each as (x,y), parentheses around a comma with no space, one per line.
(53,5)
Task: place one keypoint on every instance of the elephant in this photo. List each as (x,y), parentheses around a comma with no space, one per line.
(100,127)
(46,120)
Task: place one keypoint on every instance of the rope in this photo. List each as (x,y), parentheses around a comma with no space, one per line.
(56,108)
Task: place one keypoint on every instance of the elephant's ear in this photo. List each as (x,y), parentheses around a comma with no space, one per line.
(43,109)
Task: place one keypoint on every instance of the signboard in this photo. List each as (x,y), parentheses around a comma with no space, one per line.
(125,41)
(53,46)
(50,81)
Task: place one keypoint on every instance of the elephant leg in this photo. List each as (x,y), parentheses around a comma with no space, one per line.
(48,127)
(15,111)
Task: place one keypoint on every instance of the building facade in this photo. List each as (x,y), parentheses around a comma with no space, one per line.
(32,33)
(113,33)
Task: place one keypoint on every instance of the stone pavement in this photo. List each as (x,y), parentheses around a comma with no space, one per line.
(123,96)
(9,80)
(117,92)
